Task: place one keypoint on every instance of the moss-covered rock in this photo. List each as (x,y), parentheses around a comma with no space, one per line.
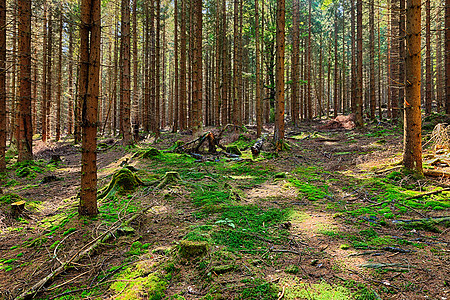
(191,249)
(151,153)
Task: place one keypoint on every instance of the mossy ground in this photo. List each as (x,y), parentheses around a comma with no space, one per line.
(301,223)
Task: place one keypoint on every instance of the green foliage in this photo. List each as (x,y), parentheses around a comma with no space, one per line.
(137,248)
(69,231)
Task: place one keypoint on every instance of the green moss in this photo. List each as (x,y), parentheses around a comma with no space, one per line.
(123,181)
(191,249)
(292,269)
(69,231)
(138,282)
(10,198)
(151,153)
(258,289)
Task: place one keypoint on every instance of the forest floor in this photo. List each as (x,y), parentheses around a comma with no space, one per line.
(332,218)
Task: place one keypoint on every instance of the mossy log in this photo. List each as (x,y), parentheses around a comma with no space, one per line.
(122,181)
(169,178)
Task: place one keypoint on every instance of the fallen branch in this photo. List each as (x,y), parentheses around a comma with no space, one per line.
(428,193)
(436,173)
(85,250)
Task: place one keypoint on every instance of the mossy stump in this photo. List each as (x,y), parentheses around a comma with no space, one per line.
(169,178)
(122,181)
(190,249)
(17,208)
(151,153)
(234,150)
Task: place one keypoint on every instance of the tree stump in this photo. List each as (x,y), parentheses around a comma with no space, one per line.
(17,208)
(169,178)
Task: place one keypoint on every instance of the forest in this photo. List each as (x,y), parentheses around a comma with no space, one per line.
(217,149)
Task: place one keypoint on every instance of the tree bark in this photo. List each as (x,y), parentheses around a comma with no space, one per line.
(70,83)
(372,101)
(46,108)
(197,69)
(125,99)
(2,85)
(447,56)
(59,83)
(258,71)
(412,155)
(279,107)
(89,80)
(182,95)
(135,106)
(359,74)
(158,70)
(176,88)
(308,67)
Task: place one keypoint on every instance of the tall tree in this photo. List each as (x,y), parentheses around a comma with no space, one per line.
(125,99)
(90,36)
(308,66)
(176,77)
(197,69)
(2,85)
(412,154)
(279,88)
(428,79)
(70,82)
(182,93)
(25,140)
(372,99)
(59,82)
(447,56)
(258,71)
(158,69)
(47,103)
(135,120)
(359,65)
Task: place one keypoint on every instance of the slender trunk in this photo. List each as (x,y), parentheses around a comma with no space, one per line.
(438,62)
(135,119)
(336,71)
(279,107)
(182,94)
(428,80)
(412,155)
(197,69)
(49,86)
(308,67)
(70,83)
(2,85)
(447,56)
(359,76)
(401,61)
(176,89)
(258,78)
(158,70)
(372,99)
(125,99)
(59,83)
(25,140)
(90,65)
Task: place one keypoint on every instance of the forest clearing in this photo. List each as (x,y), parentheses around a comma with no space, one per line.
(217,149)
(329,219)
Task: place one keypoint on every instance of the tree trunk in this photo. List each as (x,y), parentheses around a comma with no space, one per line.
(336,71)
(157,70)
(412,155)
(258,71)
(46,109)
(447,56)
(279,107)
(25,140)
(401,60)
(89,79)
(197,69)
(59,83)
(372,101)
(176,89)
(394,59)
(125,99)
(359,74)
(135,106)
(308,67)
(182,94)
(439,97)
(70,88)
(2,85)
(44,75)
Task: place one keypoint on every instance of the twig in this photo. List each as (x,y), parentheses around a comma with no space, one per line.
(282,294)
(285,251)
